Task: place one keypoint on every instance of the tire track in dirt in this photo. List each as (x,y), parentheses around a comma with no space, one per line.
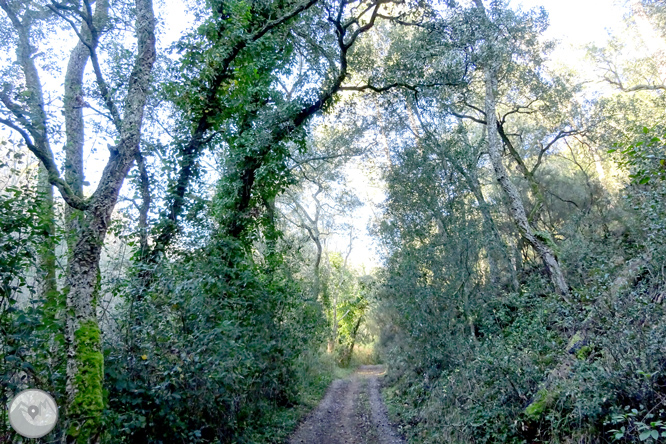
(352,412)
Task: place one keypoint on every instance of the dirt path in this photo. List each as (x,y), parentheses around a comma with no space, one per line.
(352,412)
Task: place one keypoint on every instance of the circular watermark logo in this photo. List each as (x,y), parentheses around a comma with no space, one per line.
(33,413)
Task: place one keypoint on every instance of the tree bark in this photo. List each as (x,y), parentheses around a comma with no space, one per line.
(73,104)
(85,364)
(516,207)
(74,133)
(47,261)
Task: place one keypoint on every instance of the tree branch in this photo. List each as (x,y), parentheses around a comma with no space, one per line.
(543,150)
(49,163)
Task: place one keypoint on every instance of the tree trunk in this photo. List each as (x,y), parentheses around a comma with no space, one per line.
(518,255)
(85,364)
(47,260)
(317,265)
(516,208)
(346,359)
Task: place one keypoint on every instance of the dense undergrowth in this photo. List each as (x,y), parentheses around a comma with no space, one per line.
(516,383)
(481,364)
(214,350)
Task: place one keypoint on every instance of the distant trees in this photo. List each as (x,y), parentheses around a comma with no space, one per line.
(321,206)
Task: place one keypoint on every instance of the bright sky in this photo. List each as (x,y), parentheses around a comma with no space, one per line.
(580,21)
(573,22)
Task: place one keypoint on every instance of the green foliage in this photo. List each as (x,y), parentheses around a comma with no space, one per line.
(217,351)
(31,339)
(638,426)
(643,158)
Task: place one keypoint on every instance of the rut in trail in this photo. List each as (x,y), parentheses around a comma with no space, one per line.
(352,412)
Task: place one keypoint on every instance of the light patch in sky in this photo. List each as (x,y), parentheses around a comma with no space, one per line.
(365,184)
(579,22)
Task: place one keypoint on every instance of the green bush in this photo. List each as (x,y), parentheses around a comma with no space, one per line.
(218,353)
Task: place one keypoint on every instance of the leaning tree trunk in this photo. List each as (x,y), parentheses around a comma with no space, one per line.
(516,207)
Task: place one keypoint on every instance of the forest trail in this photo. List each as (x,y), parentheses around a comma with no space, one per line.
(352,412)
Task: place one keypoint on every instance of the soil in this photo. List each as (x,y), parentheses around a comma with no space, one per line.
(352,412)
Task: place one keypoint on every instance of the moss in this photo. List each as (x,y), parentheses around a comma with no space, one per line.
(86,409)
(584,352)
(542,401)
(576,342)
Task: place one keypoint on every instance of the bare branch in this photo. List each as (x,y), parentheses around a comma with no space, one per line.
(542,151)
(479,110)
(520,109)
(400,22)
(49,163)
(465,116)
(562,199)
(365,27)
(638,87)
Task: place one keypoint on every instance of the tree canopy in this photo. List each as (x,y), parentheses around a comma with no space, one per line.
(184,219)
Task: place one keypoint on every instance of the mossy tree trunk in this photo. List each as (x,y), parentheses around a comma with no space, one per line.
(90,218)
(85,370)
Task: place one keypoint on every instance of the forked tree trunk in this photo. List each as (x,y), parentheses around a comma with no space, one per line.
(85,362)
(85,369)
